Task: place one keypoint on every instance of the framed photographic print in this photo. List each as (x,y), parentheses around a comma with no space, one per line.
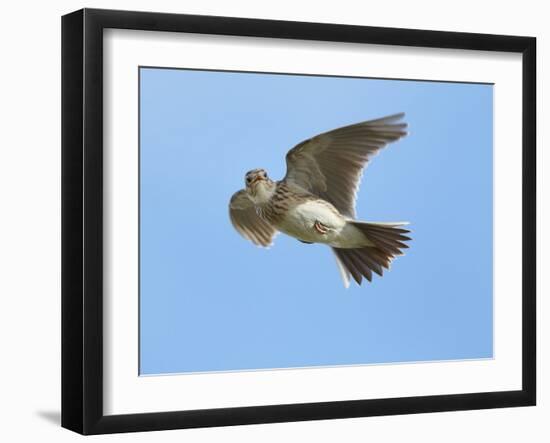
(269,221)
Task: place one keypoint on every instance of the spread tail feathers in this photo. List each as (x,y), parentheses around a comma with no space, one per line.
(388,241)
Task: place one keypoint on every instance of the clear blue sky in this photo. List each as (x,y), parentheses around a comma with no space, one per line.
(212,301)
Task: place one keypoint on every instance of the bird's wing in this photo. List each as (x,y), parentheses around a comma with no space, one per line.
(331,164)
(246,221)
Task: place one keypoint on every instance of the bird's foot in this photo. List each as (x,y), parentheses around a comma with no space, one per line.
(320,227)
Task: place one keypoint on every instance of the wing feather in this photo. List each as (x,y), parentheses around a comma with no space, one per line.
(331,164)
(246,221)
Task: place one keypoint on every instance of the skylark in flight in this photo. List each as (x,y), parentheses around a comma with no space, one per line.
(315,201)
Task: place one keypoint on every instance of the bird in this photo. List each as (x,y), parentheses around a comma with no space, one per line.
(315,201)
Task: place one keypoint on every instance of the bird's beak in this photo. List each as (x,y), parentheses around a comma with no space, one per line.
(257,179)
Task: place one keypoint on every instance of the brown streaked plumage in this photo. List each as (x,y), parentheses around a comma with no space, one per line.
(315,201)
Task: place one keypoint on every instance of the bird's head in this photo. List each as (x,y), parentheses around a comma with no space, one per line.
(259,186)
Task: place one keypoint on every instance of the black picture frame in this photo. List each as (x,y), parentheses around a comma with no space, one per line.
(82,218)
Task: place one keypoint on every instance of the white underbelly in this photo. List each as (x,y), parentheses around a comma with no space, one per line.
(299,222)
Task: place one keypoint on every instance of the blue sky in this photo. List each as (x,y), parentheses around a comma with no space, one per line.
(212,301)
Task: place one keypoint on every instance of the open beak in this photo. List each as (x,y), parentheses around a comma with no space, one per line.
(257,179)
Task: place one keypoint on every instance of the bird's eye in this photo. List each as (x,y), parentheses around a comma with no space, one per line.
(265,174)
(248,179)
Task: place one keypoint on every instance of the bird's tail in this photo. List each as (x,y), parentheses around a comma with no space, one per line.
(388,242)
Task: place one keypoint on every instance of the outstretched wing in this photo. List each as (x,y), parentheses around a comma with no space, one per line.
(246,221)
(331,164)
